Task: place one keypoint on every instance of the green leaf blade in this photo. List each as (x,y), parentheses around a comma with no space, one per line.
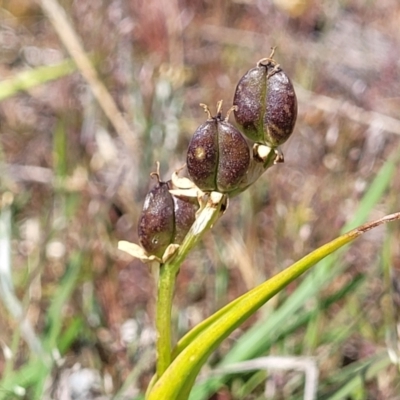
(251,343)
(195,354)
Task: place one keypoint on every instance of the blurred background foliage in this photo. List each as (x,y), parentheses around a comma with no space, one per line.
(75,314)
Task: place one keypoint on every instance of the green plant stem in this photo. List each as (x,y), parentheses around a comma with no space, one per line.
(165,294)
(167,275)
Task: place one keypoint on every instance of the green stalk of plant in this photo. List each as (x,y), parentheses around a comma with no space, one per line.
(167,276)
(165,293)
(194,353)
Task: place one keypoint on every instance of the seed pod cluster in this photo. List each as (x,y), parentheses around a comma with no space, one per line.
(266,103)
(165,219)
(218,155)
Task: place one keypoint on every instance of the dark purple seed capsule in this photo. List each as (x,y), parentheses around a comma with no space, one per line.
(249,98)
(156,222)
(234,157)
(165,219)
(281,111)
(185,214)
(266,104)
(218,155)
(202,156)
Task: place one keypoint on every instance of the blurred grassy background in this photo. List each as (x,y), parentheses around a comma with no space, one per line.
(74,173)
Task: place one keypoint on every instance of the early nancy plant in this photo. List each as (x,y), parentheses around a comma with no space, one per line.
(177,213)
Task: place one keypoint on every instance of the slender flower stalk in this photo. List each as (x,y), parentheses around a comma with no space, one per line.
(165,294)
(169,267)
(168,271)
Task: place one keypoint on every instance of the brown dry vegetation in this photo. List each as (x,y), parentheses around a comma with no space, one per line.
(77,185)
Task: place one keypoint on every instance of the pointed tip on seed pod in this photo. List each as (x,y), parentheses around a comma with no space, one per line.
(281,107)
(266,103)
(218,155)
(156,222)
(202,155)
(165,218)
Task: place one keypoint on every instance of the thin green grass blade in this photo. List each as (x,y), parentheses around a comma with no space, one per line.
(294,323)
(14,306)
(244,389)
(73,330)
(64,291)
(249,344)
(55,320)
(29,79)
(253,343)
(37,368)
(191,359)
(301,319)
(27,376)
(354,376)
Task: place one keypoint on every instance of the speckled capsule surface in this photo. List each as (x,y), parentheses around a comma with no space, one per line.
(218,156)
(165,219)
(185,214)
(156,222)
(266,104)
